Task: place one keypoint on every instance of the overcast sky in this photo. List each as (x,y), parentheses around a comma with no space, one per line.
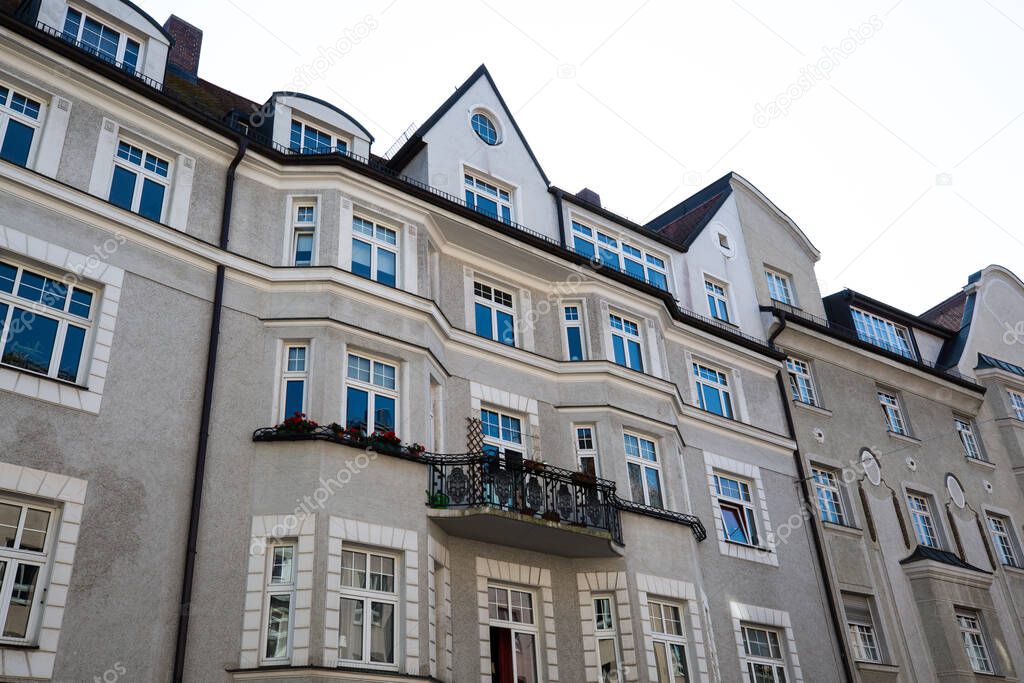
(891,132)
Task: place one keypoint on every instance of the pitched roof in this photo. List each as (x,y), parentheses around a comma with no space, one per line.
(944,556)
(415,142)
(684,221)
(990,362)
(949,313)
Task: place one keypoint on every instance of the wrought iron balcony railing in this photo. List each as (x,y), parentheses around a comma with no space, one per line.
(528,487)
(129,69)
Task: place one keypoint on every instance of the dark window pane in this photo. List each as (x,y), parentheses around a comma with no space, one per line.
(151,205)
(636,484)
(361,255)
(657,279)
(636,360)
(122,188)
(386,267)
(81,303)
(71,355)
(293,394)
(619,349)
(575,343)
(488,206)
(21,601)
(383,413)
(484,327)
(71,24)
(131,55)
(17,142)
(30,341)
(7,274)
(584,247)
(635,269)
(356,407)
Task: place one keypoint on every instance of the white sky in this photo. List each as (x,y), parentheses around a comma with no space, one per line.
(902,166)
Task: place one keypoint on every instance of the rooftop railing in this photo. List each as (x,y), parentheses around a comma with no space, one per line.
(98,54)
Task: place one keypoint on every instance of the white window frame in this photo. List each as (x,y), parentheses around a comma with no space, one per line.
(968,437)
(775,663)
(892,412)
(606,248)
(274,589)
(972,634)
(372,387)
(480,185)
(779,284)
(619,327)
(865,639)
(665,639)
(745,504)
(719,384)
(377,244)
(584,440)
(14,556)
(8,114)
(828,495)
(514,627)
(644,465)
(883,333)
(927,530)
(368,596)
(579,323)
(1004,539)
(716,293)
(142,174)
(500,442)
(63,317)
(801,382)
(337,141)
(1016,403)
(289,375)
(304,228)
(494,306)
(607,633)
(122,41)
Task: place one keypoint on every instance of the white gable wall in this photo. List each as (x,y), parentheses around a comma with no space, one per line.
(452,146)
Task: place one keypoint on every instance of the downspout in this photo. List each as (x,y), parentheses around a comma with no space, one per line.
(204,426)
(819,551)
(561,218)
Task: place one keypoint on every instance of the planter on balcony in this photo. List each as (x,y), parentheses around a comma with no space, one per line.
(584,479)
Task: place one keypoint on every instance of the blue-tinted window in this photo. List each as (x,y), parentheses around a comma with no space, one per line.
(30,341)
(484,327)
(383,413)
(304,249)
(356,408)
(484,127)
(619,349)
(101,39)
(362,255)
(71,355)
(42,289)
(72,23)
(635,358)
(506,328)
(609,259)
(151,205)
(130,61)
(295,141)
(657,279)
(294,393)
(487,206)
(386,273)
(575,343)
(635,269)
(7,276)
(17,142)
(122,188)
(81,303)
(583,247)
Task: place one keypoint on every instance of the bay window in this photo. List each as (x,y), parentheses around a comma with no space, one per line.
(45,323)
(669,641)
(374,251)
(19,125)
(279,602)
(26,541)
(1017,404)
(140,181)
(371,395)
(626,342)
(644,470)
(369,608)
(494,313)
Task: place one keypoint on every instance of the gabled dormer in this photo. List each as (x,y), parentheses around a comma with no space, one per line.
(472,148)
(116,31)
(303,124)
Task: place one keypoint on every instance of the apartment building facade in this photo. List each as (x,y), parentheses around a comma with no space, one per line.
(282,408)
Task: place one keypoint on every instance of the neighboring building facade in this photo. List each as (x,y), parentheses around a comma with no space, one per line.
(612,480)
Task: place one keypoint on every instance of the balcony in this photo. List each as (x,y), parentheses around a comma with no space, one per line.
(501,498)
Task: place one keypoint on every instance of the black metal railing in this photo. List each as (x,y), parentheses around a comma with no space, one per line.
(842,331)
(92,50)
(531,488)
(692,521)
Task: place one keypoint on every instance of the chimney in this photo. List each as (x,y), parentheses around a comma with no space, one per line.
(589,196)
(188,43)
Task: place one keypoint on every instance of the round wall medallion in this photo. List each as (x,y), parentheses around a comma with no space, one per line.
(988,486)
(911,464)
(869,463)
(819,435)
(956,491)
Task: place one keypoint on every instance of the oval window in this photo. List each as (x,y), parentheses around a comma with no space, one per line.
(484,127)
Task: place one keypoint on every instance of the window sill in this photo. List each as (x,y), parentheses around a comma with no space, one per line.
(756,548)
(978,462)
(18,646)
(39,375)
(1011,569)
(843,528)
(813,408)
(904,438)
(881,667)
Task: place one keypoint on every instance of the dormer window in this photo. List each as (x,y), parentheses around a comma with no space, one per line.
(306,139)
(487,198)
(883,333)
(484,127)
(101,40)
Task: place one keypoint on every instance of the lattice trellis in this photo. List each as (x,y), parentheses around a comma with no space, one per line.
(474,435)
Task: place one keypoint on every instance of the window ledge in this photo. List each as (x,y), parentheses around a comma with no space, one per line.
(881,667)
(813,408)
(18,646)
(843,528)
(978,462)
(1010,569)
(755,548)
(904,438)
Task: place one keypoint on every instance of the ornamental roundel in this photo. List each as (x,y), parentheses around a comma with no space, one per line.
(956,491)
(563,501)
(872,470)
(534,494)
(458,486)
